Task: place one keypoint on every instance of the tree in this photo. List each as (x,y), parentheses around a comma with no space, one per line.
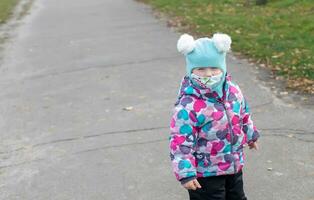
(261,2)
(257,2)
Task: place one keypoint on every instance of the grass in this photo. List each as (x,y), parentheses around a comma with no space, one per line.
(25,9)
(6,8)
(279,34)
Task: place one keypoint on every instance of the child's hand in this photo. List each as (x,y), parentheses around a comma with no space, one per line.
(192,185)
(253,145)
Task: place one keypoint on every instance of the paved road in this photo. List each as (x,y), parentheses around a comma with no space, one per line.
(68,73)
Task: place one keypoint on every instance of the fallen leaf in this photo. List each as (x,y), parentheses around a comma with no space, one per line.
(278,55)
(129,108)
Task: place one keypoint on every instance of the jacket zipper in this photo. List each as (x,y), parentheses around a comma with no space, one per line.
(231,134)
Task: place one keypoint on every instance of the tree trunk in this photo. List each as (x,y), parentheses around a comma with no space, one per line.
(261,2)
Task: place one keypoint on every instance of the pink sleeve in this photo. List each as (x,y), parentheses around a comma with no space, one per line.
(182,142)
(247,124)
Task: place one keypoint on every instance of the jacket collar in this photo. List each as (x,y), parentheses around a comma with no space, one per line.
(188,88)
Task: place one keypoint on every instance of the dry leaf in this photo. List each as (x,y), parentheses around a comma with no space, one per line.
(129,108)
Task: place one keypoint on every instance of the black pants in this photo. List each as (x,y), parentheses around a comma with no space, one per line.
(225,187)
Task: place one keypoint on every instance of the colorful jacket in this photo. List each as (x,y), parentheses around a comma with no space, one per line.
(208,132)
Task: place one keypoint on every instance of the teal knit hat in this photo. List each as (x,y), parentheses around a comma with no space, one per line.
(204,52)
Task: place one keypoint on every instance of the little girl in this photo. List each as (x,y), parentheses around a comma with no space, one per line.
(211,123)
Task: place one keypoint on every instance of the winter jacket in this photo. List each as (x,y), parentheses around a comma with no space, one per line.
(208,132)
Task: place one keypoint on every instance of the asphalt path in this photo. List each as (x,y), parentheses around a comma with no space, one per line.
(87,89)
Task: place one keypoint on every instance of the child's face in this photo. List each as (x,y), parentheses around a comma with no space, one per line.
(207,71)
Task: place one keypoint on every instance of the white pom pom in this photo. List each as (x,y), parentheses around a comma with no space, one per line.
(222,42)
(186,44)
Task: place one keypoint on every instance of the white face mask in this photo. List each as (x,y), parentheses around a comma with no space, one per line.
(207,82)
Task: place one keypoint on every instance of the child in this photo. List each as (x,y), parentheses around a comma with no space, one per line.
(211,123)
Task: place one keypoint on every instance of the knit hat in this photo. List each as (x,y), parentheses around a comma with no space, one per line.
(204,52)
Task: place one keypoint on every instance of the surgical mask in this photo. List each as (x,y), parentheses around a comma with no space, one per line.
(207,82)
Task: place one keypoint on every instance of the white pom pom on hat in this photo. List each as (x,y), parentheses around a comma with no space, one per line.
(186,44)
(222,42)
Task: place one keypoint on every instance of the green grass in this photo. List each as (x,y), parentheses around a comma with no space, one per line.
(279,34)
(6,7)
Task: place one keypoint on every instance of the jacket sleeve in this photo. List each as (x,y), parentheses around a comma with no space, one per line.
(182,142)
(247,124)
